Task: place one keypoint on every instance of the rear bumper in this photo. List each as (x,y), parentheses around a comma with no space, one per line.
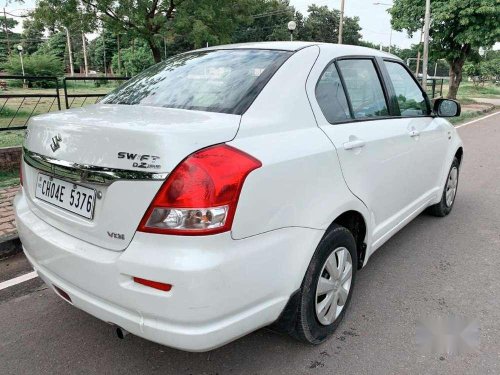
(222,288)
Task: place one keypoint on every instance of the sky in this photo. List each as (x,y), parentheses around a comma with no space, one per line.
(374,19)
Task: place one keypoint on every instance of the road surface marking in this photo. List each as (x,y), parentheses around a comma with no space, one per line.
(476,120)
(18,280)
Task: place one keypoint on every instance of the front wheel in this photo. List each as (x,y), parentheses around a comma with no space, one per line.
(444,207)
(327,287)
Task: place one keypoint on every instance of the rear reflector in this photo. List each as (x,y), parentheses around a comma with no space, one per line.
(153,284)
(63,294)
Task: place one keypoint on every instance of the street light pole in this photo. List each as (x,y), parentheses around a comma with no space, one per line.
(390,41)
(341,21)
(292,25)
(425,61)
(390,35)
(20,49)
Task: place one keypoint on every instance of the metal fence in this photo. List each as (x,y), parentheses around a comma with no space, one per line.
(22,97)
(31,95)
(434,87)
(71,98)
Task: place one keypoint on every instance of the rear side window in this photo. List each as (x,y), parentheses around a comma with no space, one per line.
(410,97)
(331,96)
(364,88)
(225,81)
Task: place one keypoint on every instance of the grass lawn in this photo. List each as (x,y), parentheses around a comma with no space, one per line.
(467,116)
(10,138)
(9,178)
(467,90)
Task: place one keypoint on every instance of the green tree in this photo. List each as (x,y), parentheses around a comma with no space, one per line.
(8,39)
(32,35)
(458,29)
(144,19)
(103,46)
(134,59)
(191,23)
(322,25)
(268,21)
(55,45)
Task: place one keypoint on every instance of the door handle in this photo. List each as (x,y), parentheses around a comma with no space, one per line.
(414,133)
(353,144)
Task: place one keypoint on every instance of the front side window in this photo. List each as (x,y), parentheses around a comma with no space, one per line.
(331,96)
(364,88)
(225,81)
(411,99)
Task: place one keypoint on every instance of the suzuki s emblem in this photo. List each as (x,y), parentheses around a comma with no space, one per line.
(55,143)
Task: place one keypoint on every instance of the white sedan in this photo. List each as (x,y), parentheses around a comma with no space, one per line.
(232,188)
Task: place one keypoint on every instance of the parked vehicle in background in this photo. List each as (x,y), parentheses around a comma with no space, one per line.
(232,188)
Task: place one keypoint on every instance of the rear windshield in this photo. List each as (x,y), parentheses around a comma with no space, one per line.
(225,81)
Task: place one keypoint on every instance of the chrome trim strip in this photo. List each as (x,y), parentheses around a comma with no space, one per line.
(83,172)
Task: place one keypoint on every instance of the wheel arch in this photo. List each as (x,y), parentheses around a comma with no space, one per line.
(356,223)
(459,154)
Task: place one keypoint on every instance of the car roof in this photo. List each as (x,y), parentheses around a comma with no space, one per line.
(338,49)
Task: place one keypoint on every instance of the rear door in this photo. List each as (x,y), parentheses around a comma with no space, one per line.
(376,150)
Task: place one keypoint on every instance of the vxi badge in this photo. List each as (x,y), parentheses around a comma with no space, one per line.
(141,161)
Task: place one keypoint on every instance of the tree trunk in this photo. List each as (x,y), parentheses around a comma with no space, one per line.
(455,78)
(70,52)
(84,45)
(155,50)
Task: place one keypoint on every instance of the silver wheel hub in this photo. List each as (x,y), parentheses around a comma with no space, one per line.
(451,186)
(333,285)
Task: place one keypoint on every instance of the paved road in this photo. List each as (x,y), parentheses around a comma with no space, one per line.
(433,266)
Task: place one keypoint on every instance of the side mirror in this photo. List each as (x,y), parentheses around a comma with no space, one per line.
(446,108)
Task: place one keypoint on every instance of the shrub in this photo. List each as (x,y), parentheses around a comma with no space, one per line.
(35,65)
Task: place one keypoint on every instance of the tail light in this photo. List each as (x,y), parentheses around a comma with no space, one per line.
(200,195)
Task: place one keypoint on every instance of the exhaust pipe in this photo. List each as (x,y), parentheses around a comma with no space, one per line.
(121,333)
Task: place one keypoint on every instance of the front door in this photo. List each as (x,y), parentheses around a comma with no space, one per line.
(430,135)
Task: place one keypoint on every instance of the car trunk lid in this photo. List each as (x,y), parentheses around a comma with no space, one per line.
(123,153)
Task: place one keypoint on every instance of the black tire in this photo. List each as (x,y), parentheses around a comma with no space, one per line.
(307,326)
(442,209)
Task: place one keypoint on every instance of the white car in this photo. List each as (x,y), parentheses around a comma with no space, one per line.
(232,188)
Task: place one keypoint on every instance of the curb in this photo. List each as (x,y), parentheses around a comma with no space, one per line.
(10,247)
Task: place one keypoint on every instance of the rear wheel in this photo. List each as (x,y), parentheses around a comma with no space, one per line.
(444,207)
(327,287)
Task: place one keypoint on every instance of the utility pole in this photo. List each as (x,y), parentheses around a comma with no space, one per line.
(427,22)
(418,53)
(119,55)
(341,21)
(104,52)
(6,31)
(70,53)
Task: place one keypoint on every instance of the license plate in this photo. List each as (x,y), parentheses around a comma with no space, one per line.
(71,197)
